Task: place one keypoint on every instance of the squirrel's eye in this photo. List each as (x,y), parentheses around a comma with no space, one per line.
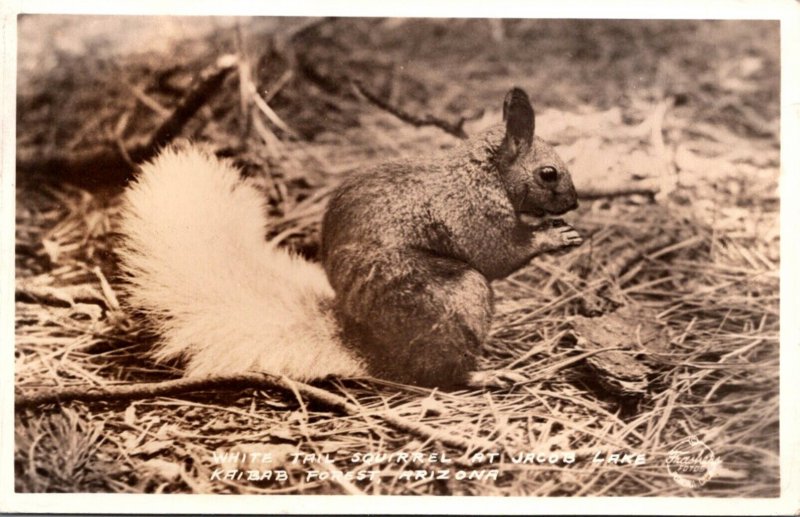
(548,174)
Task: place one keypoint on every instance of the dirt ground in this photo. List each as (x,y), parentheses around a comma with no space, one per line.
(681,118)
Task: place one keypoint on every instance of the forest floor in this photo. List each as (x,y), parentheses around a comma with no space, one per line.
(685,110)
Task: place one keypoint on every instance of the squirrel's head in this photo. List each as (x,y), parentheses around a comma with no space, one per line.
(537,180)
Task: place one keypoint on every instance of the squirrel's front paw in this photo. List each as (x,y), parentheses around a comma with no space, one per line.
(494,379)
(569,236)
(559,236)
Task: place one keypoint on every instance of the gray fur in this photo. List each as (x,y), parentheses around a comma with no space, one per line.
(411,246)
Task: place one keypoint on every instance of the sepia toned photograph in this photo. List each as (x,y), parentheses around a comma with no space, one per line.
(263,255)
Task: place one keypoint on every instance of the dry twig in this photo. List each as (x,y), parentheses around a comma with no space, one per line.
(456,129)
(618,191)
(59,296)
(235,382)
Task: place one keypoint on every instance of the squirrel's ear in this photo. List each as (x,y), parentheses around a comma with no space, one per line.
(519,118)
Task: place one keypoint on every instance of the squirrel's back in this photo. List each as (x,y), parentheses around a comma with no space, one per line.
(220,296)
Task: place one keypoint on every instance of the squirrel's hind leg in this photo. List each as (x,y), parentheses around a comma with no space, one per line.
(415,317)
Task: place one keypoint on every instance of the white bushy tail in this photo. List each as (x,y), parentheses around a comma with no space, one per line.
(221,296)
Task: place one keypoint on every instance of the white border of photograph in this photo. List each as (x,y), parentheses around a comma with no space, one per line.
(788,11)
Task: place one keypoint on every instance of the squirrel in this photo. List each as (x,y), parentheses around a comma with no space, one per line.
(408,252)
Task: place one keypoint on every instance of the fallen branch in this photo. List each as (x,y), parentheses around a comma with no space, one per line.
(237,382)
(112,164)
(456,129)
(611,192)
(208,83)
(89,168)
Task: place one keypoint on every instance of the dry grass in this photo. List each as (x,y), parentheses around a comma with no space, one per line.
(715,290)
